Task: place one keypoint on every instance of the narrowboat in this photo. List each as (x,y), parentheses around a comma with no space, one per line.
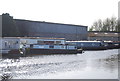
(88,45)
(37,49)
(25,46)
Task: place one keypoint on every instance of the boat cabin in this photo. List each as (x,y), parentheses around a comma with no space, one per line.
(9,43)
(86,43)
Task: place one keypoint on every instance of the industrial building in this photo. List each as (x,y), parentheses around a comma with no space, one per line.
(54,30)
(26,28)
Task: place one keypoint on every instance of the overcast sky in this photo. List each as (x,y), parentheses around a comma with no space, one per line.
(79,12)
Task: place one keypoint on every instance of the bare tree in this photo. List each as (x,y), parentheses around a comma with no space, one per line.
(109,24)
(100,25)
(95,25)
(113,24)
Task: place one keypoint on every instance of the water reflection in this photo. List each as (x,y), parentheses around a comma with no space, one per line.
(105,64)
(55,66)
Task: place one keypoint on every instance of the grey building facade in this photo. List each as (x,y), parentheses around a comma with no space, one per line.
(55,30)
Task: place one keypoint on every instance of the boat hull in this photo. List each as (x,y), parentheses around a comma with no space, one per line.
(113,47)
(30,52)
(100,48)
(52,51)
(12,54)
(94,48)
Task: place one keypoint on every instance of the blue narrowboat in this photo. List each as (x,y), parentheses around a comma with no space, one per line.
(88,45)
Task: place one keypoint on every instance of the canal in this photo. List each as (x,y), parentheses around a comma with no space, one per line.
(89,65)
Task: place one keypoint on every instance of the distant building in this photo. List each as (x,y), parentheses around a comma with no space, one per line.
(48,29)
(105,36)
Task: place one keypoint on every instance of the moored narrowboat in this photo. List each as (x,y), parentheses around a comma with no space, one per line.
(88,45)
(23,46)
(95,45)
(36,49)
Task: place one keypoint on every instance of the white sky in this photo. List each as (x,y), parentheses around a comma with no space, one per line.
(80,12)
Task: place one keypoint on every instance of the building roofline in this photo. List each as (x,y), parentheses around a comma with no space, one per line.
(46,22)
(50,22)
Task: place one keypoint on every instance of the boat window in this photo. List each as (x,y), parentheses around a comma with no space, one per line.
(48,42)
(23,42)
(93,44)
(40,42)
(51,46)
(31,46)
(82,44)
(62,46)
(17,42)
(58,42)
(5,43)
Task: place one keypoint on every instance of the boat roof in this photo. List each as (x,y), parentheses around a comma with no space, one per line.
(33,38)
(83,41)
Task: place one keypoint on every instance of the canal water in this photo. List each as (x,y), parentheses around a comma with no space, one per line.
(89,65)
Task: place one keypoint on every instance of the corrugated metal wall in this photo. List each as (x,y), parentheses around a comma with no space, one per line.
(45,29)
